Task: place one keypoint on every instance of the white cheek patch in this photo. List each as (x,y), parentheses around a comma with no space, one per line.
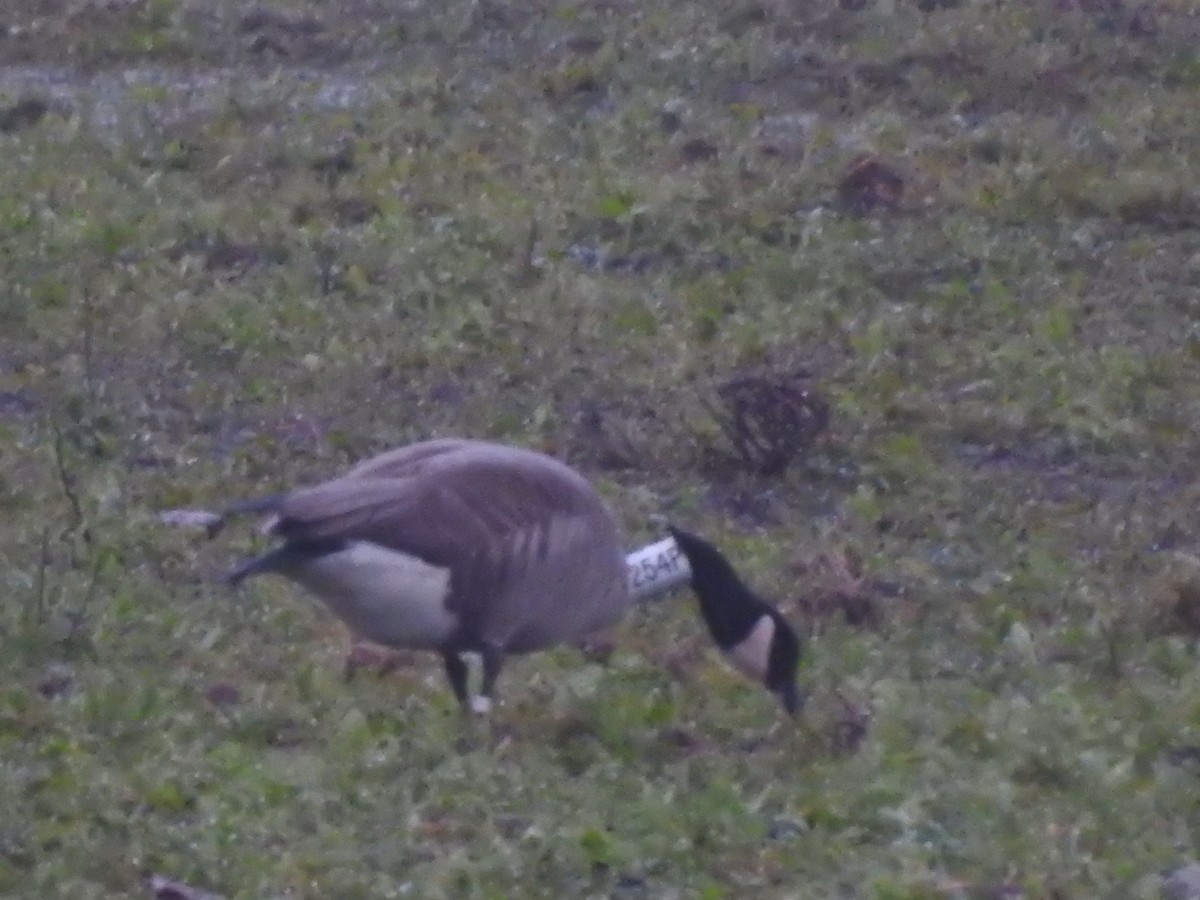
(387,596)
(752,654)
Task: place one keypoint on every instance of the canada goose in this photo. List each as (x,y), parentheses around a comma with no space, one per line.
(466,546)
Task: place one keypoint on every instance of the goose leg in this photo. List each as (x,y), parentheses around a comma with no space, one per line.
(493,662)
(456,673)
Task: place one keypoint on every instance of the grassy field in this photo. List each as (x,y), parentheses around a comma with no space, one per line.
(245,245)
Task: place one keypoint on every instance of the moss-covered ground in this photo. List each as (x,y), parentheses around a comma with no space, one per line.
(242,246)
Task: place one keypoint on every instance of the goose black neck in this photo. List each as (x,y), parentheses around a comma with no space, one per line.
(730,608)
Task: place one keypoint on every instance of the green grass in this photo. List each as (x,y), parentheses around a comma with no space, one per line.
(290,239)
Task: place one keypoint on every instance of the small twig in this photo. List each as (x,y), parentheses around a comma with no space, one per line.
(67,480)
(36,610)
(326,257)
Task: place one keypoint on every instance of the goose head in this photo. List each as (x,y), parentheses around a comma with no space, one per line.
(751,633)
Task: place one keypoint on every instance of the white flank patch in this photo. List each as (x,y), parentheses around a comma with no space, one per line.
(752,654)
(384,595)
